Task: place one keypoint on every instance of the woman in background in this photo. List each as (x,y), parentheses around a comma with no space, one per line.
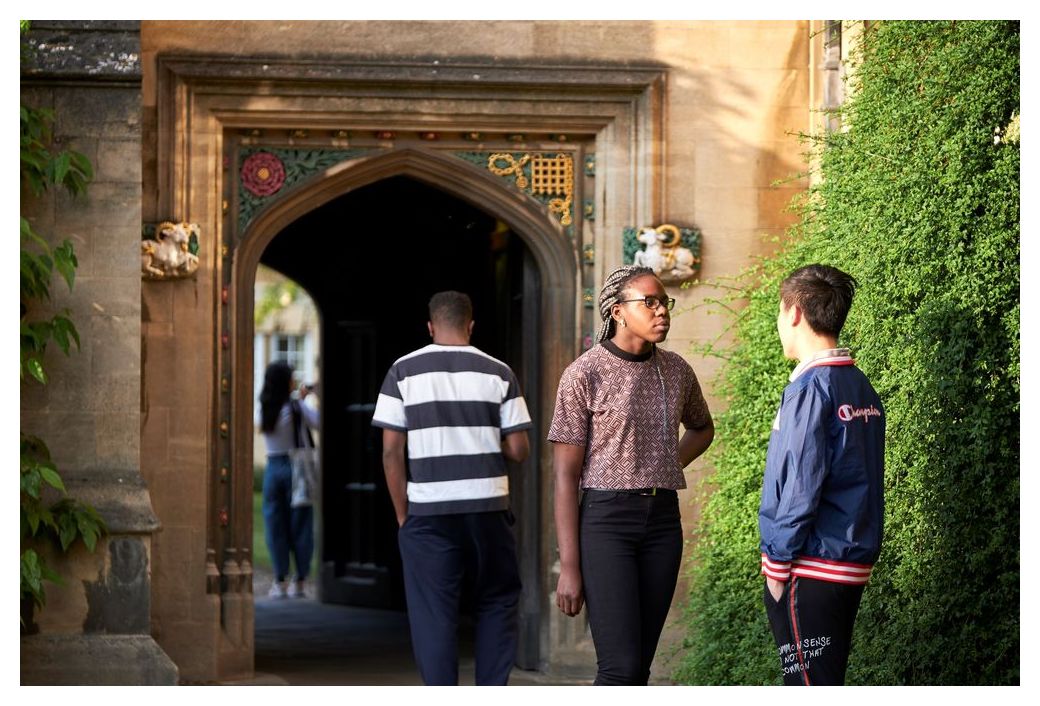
(283,422)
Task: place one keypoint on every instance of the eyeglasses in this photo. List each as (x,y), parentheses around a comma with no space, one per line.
(652,302)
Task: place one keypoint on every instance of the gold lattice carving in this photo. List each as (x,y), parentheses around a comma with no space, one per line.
(550,176)
(554,175)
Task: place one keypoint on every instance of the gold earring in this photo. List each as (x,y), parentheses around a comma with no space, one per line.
(624,323)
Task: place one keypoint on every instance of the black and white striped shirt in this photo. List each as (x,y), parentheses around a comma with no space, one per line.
(455,403)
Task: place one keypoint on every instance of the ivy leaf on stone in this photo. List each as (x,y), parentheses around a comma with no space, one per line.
(50,476)
(66,530)
(63,329)
(65,261)
(36,370)
(59,167)
(32,575)
(31,484)
(88,529)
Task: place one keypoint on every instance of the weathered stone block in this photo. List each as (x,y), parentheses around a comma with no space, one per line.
(71,437)
(119,161)
(68,383)
(116,345)
(179,368)
(154,435)
(67,604)
(112,211)
(119,602)
(113,113)
(156,302)
(111,297)
(95,659)
(119,439)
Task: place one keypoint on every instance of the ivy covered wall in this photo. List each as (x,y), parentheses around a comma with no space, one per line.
(919,200)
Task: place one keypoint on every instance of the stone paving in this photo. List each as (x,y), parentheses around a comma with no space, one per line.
(300,641)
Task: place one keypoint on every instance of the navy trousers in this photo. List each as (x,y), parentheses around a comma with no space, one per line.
(631,548)
(438,552)
(288,530)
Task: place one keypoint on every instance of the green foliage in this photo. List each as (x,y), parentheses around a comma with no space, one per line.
(275,297)
(64,520)
(41,168)
(921,204)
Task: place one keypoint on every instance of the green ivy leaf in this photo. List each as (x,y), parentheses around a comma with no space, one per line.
(36,370)
(32,573)
(50,477)
(88,529)
(65,262)
(62,330)
(32,519)
(82,164)
(31,483)
(67,529)
(49,574)
(59,167)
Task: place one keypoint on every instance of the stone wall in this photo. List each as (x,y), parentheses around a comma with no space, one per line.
(88,73)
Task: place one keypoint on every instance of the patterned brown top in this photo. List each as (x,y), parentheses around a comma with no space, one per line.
(610,402)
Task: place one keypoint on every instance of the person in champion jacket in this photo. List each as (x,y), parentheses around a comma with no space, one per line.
(821,515)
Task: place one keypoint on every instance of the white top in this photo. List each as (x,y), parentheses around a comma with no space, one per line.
(281,439)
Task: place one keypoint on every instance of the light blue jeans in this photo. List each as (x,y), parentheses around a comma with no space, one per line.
(286,529)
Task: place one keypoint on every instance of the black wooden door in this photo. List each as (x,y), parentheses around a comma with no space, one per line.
(524,481)
(360,562)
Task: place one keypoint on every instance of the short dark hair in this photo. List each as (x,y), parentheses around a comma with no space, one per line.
(824,294)
(452,309)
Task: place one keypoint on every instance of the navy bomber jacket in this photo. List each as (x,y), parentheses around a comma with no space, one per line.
(823,493)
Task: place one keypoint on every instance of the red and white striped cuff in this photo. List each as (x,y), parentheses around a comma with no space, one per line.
(833,571)
(779,570)
(813,568)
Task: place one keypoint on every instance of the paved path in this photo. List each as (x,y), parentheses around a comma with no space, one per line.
(304,642)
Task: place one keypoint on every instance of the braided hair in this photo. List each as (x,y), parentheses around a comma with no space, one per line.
(610,294)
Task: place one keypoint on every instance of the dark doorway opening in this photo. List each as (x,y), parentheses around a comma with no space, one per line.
(371,259)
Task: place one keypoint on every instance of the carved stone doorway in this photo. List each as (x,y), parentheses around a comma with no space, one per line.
(370,257)
(353,125)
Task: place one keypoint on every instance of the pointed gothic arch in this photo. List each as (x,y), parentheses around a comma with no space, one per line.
(553,346)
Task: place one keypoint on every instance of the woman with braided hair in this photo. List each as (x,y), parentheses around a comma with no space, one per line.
(616,438)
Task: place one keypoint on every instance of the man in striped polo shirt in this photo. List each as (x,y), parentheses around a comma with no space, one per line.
(460,414)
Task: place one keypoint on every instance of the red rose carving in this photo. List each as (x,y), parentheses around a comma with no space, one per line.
(263,174)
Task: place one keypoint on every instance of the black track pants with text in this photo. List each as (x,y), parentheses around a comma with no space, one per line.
(812,626)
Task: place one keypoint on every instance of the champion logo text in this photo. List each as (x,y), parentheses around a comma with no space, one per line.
(848,413)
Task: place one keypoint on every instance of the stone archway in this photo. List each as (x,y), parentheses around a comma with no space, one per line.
(557,272)
(202,608)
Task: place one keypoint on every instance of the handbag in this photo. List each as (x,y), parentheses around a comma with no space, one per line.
(305,463)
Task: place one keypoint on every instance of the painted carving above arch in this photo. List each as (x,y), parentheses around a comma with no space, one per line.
(170,251)
(267,172)
(547,178)
(672,252)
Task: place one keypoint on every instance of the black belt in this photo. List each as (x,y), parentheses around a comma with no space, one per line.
(632,491)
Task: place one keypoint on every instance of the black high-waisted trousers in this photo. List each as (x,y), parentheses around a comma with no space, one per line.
(631,547)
